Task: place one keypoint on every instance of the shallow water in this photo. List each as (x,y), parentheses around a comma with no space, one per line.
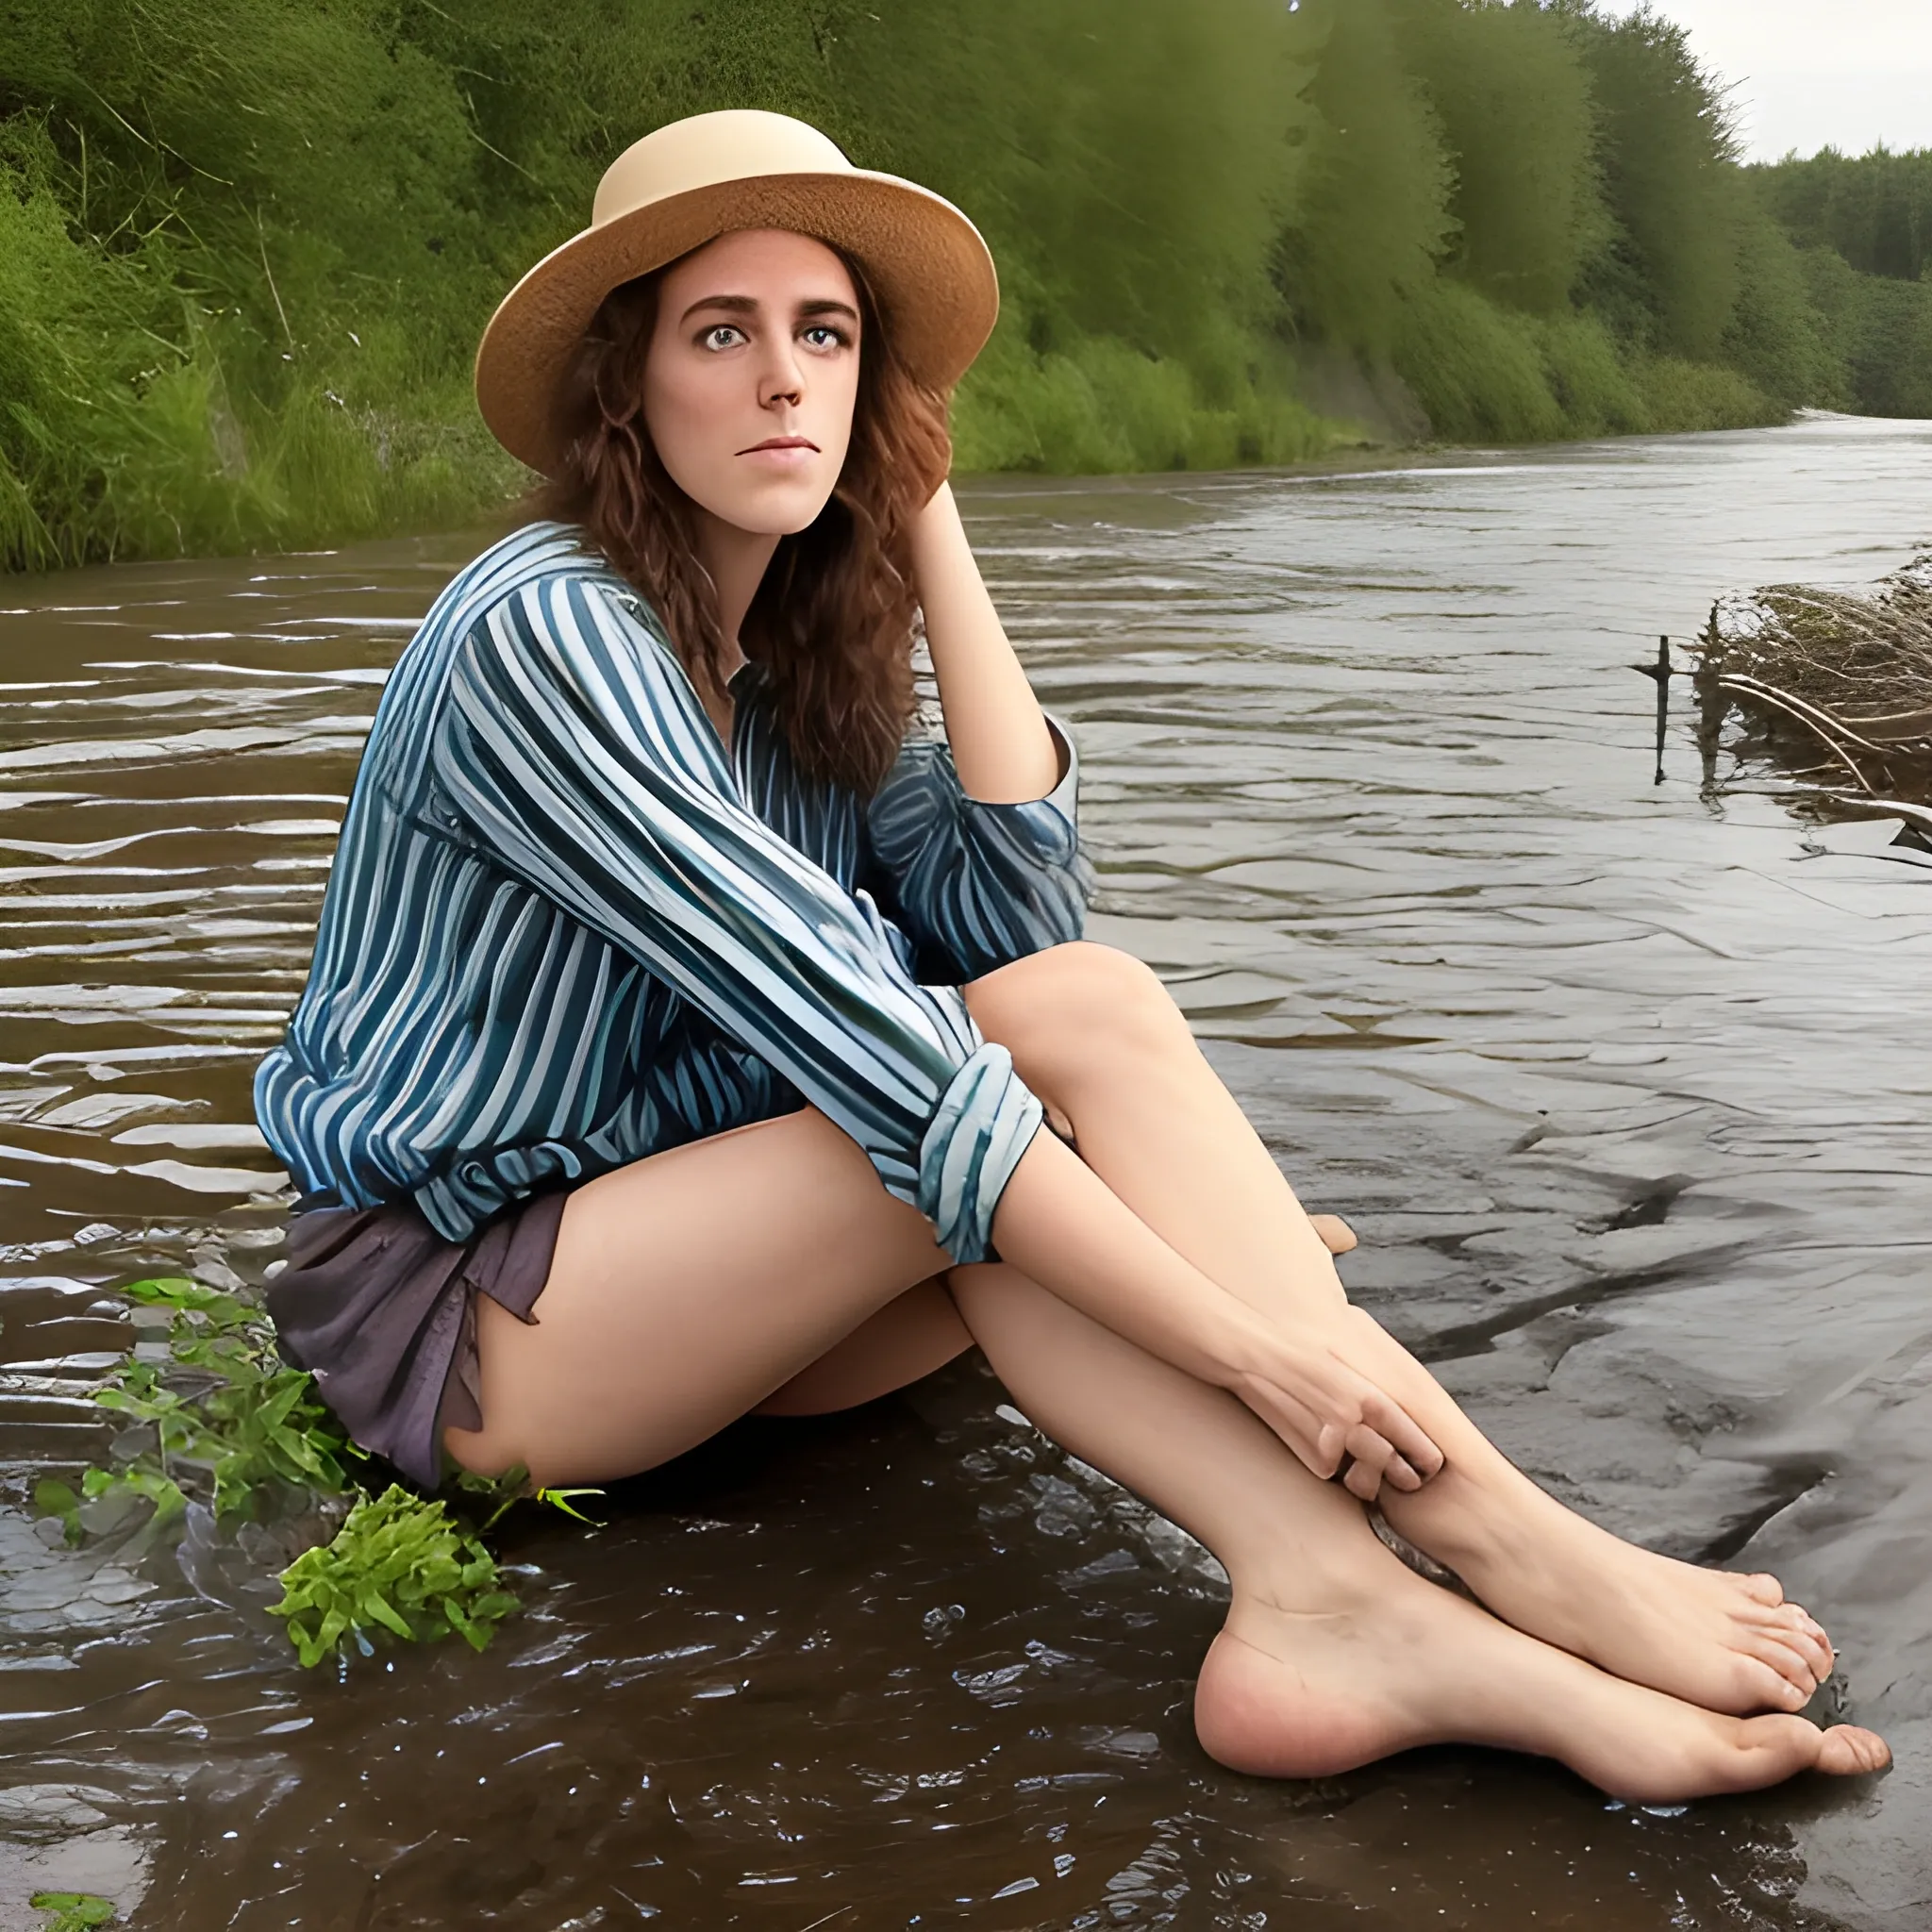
(1627,1091)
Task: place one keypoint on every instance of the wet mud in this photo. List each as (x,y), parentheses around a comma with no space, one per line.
(1625,1088)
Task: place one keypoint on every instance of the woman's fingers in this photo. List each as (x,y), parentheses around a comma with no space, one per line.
(1388,1416)
(1360,1401)
(1375,1461)
(1363,1481)
(1318,1445)
(1326,1411)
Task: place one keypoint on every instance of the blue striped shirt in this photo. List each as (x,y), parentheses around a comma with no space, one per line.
(567,927)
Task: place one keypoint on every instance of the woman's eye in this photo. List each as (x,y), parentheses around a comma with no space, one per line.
(822,336)
(723,335)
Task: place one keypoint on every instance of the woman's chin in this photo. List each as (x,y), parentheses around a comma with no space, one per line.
(777,511)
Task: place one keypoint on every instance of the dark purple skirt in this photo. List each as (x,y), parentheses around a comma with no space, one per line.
(381,1310)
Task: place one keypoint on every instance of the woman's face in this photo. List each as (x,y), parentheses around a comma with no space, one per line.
(751,377)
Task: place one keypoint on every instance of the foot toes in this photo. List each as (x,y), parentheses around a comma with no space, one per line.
(1803,1636)
(1762,1589)
(1787,1662)
(1753,1687)
(1846,1751)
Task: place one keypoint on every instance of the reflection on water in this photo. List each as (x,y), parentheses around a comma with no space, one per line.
(1626,1093)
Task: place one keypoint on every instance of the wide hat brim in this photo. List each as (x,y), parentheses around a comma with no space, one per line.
(928,268)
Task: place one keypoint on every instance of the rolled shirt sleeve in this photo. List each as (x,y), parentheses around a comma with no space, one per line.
(573,750)
(979,885)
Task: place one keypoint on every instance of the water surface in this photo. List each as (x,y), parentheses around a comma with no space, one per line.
(1625,1088)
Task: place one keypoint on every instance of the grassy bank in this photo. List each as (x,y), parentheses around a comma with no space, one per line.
(246,245)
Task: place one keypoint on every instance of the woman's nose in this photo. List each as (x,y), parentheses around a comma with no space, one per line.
(782,381)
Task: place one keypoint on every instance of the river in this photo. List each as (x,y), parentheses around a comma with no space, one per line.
(1626,1089)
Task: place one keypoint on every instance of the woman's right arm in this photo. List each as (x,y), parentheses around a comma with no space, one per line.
(577,755)
(1060,1223)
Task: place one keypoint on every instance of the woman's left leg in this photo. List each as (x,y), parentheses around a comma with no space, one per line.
(1097,1037)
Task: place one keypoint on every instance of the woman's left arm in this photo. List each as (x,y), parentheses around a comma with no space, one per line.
(1002,747)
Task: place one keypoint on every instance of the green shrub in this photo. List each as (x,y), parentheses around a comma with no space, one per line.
(400,1566)
(251,1432)
(221,1420)
(1698,395)
(73,1911)
(1477,369)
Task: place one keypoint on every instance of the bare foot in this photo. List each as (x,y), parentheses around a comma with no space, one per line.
(1728,1642)
(1725,1641)
(1301,1694)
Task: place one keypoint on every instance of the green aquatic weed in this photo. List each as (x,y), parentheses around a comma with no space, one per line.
(73,1911)
(180,1292)
(107,1499)
(561,1499)
(513,1486)
(224,1421)
(250,1425)
(400,1564)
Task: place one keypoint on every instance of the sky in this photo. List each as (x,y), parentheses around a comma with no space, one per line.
(1847,75)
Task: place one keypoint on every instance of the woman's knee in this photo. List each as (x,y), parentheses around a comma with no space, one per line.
(1078,1000)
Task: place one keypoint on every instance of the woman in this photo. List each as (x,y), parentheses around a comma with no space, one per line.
(680,1033)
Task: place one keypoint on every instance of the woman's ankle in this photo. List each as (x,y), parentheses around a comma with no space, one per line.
(1474,1519)
(1303,1576)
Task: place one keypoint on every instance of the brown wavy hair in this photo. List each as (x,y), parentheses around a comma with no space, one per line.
(835,617)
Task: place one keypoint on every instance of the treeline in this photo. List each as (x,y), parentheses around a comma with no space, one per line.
(1864,227)
(246,245)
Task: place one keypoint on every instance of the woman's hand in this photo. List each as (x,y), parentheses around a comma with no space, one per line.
(1311,1389)
(1320,1383)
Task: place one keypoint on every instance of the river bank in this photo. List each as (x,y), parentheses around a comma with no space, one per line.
(247,246)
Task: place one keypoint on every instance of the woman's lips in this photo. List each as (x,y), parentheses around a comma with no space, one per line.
(779,444)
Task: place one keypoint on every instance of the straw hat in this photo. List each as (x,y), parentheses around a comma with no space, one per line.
(708,175)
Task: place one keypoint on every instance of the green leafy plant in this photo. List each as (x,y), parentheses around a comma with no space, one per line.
(73,1911)
(513,1486)
(221,1419)
(107,1499)
(400,1564)
(226,1418)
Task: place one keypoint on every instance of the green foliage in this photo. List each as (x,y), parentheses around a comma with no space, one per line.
(1674,190)
(1478,370)
(1520,129)
(73,1911)
(512,1487)
(401,1566)
(223,1417)
(1874,209)
(1889,346)
(1863,230)
(1776,336)
(246,245)
(1372,220)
